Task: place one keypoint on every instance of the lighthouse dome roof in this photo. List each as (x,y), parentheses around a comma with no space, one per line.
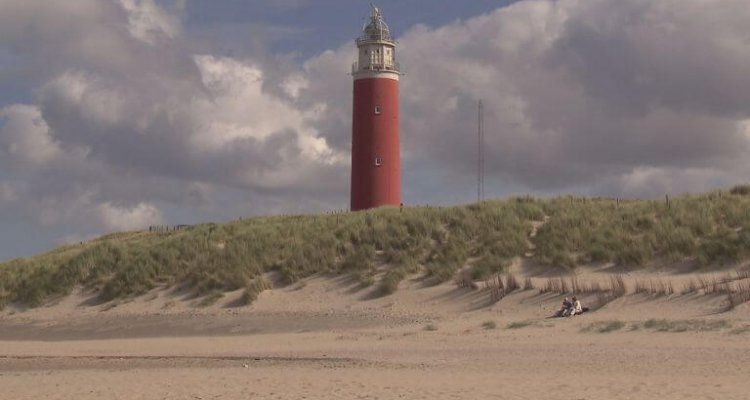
(376,28)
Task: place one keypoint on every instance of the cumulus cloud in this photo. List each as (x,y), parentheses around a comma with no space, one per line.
(149,22)
(564,111)
(25,141)
(578,94)
(135,108)
(140,216)
(126,124)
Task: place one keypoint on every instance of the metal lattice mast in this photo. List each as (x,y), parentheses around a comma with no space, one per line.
(480,152)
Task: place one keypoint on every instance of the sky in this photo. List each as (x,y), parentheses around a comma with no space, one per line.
(116,115)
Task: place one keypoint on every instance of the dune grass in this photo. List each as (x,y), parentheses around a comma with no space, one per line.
(253,289)
(713,229)
(211,298)
(213,257)
(382,247)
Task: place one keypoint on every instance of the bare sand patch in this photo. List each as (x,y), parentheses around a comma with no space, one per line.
(322,339)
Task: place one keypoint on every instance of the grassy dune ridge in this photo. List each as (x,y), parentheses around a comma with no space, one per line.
(381,247)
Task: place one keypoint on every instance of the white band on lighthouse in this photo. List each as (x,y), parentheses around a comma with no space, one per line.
(376,75)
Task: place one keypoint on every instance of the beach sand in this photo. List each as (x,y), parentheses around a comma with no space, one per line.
(324,338)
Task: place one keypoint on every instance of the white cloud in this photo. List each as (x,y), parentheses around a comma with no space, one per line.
(657,182)
(126,118)
(25,140)
(577,94)
(149,22)
(141,216)
(239,108)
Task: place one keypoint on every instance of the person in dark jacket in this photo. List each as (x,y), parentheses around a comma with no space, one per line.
(567,306)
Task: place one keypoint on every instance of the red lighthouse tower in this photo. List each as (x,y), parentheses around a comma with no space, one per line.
(376,154)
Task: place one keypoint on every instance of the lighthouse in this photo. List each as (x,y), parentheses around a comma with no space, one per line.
(376,154)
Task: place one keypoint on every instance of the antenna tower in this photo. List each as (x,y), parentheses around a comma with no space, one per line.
(480,153)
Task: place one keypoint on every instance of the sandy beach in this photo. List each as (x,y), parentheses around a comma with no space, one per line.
(324,338)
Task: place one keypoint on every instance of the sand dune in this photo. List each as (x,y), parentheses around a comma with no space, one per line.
(324,338)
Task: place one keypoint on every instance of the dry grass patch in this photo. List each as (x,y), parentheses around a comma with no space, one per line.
(389,283)
(654,287)
(740,190)
(211,298)
(253,289)
(573,285)
(736,286)
(740,294)
(604,326)
(500,286)
(520,324)
(464,279)
(169,304)
(740,330)
(605,293)
(489,325)
(664,325)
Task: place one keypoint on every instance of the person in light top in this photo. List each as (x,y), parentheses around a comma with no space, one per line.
(576,308)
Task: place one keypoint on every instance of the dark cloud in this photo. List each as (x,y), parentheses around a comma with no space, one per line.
(637,56)
(583,93)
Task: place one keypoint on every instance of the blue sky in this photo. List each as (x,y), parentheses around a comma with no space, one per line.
(127,113)
(309,27)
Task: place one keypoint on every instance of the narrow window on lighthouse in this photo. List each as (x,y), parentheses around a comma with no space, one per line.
(377,110)
(378,161)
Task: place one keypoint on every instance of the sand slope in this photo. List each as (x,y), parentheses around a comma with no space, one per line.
(326,339)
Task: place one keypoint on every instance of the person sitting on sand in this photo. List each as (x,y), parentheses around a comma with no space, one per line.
(576,308)
(566,307)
